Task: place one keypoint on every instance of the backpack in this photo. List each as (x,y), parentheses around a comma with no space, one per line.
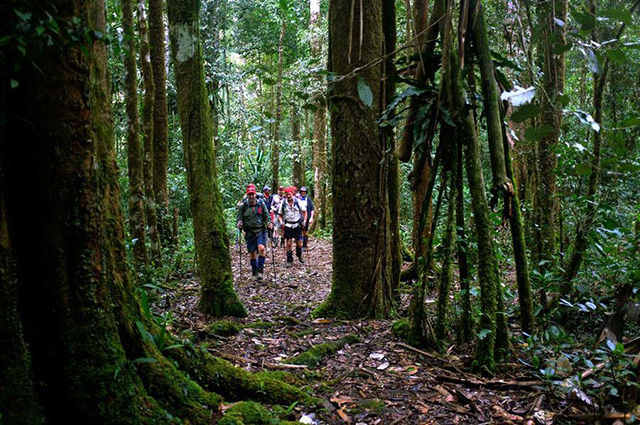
(295,205)
(262,207)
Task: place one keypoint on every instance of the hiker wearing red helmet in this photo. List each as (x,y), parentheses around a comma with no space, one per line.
(293,215)
(254,219)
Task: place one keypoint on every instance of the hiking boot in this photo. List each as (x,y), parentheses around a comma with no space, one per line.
(289,264)
(301,260)
(259,277)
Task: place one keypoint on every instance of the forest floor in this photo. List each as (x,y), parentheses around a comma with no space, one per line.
(378,380)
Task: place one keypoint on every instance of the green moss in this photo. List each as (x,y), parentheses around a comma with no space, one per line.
(401,328)
(234,383)
(303,333)
(373,406)
(223,328)
(282,376)
(246,413)
(261,325)
(314,355)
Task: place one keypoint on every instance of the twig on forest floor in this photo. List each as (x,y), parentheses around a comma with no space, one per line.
(495,383)
(452,407)
(598,417)
(256,362)
(401,418)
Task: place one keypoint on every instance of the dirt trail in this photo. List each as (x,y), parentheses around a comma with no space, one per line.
(376,381)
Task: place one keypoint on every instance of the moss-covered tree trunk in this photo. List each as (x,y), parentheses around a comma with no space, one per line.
(92,352)
(218,297)
(448,243)
(147,134)
(500,155)
(298,151)
(137,221)
(319,125)
(160,118)
(553,69)
(388,89)
(275,143)
(361,273)
(487,263)
(465,329)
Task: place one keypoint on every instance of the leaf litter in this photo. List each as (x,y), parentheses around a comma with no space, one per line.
(379,380)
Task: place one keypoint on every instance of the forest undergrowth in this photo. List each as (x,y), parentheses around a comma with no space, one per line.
(361,368)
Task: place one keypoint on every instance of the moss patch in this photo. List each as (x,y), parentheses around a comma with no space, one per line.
(314,355)
(223,328)
(401,328)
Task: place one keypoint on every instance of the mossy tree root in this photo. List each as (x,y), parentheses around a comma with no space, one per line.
(315,354)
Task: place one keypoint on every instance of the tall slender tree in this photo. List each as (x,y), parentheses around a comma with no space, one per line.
(319,125)
(151,212)
(551,14)
(275,144)
(137,221)
(361,278)
(212,242)
(160,117)
(298,151)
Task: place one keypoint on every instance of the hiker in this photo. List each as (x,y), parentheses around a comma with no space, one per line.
(307,203)
(275,208)
(268,200)
(293,215)
(254,219)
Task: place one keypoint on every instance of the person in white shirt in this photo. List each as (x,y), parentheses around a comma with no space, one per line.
(293,215)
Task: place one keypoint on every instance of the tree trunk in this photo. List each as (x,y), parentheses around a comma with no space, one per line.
(466,320)
(361,278)
(388,89)
(160,118)
(275,144)
(298,152)
(137,222)
(446,274)
(553,85)
(147,131)
(487,263)
(212,245)
(319,126)
(500,155)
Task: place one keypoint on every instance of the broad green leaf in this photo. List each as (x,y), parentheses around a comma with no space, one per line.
(629,122)
(525,112)
(587,20)
(583,169)
(364,92)
(144,360)
(622,15)
(14,84)
(538,133)
(617,56)
(559,49)
(483,333)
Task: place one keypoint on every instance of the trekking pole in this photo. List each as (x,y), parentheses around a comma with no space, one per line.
(273,265)
(239,249)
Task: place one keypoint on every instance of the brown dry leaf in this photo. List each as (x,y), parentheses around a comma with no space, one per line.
(342,399)
(446,394)
(344,416)
(224,407)
(501,413)
(321,321)
(410,370)
(422,408)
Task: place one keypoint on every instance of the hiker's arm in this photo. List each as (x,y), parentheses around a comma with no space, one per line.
(239,218)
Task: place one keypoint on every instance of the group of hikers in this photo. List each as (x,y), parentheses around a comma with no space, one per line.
(283,217)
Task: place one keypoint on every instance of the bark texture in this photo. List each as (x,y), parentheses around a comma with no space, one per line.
(218,297)
(137,221)
(319,126)
(275,144)
(361,278)
(160,117)
(147,134)
(298,151)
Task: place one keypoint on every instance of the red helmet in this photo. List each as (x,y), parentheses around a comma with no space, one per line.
(251,188)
